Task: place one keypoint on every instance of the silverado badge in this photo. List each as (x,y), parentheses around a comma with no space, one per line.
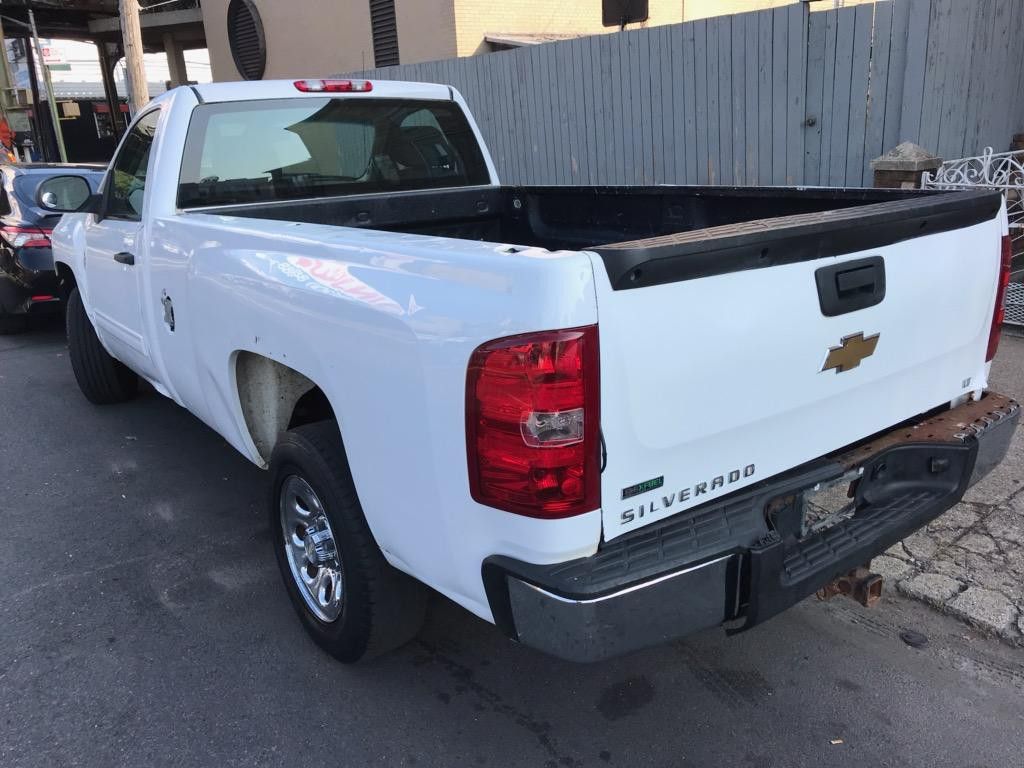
(851,350)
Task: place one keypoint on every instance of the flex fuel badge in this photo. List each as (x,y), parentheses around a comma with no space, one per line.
(644,487)
(669,502)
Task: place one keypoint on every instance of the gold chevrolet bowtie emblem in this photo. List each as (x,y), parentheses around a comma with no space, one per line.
(850,352)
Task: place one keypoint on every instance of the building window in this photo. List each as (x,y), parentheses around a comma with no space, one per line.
(245,36)
(385,32)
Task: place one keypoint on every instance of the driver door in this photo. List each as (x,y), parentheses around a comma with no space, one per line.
(115,250)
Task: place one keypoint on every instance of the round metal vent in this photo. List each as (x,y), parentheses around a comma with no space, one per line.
(245,35)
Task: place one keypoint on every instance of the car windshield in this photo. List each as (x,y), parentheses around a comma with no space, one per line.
(261,151)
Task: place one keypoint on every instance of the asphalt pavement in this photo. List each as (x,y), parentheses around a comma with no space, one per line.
(143,623)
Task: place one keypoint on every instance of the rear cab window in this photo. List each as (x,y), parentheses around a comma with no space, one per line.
(286,149)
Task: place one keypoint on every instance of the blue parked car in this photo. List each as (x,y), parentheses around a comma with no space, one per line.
(28,283)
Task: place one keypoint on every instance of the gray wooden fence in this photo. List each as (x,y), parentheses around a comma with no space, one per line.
(783,96)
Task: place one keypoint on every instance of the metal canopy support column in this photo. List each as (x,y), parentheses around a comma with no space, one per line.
(108,60)
(51,100)
(43,138)
(5,80)
(175,60)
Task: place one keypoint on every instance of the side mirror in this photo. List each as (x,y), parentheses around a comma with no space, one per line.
(64,194)
(93,204)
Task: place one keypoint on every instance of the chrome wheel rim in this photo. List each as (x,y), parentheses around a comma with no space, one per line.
(311,549)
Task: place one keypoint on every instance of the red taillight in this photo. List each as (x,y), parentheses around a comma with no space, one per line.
(532,411)
(334,86)
(1005,259)
(26,237)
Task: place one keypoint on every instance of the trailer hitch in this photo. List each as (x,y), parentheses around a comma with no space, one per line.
(861,584)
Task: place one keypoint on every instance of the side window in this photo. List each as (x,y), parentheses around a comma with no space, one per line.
(127,182)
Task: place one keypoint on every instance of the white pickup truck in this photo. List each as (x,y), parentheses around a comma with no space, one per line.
(598,417)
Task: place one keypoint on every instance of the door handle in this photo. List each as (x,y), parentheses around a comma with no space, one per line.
(124,258)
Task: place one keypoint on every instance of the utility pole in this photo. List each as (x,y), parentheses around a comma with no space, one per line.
(131,31)
(57,132)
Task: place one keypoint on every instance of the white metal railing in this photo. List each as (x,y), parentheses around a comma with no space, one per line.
(1003,171)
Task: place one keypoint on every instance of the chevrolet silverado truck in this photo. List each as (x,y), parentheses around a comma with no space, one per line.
(597,417)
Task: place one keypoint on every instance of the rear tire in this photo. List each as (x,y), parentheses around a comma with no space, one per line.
(102,379)
(379,608)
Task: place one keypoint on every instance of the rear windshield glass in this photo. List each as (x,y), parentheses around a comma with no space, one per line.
(258,151)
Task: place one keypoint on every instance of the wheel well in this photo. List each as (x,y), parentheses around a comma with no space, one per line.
(275,398)
(310,408)
(65,280)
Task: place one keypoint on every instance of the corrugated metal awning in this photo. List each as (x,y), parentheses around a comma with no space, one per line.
(91,90)
(520,40)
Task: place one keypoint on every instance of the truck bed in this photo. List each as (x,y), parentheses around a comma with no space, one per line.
(652,235)
(561,217)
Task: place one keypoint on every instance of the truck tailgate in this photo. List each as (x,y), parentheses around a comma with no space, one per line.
(735,353)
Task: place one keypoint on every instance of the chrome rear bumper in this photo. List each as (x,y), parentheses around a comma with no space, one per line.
(648,613)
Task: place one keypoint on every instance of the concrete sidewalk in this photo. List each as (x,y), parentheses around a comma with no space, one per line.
(970,561)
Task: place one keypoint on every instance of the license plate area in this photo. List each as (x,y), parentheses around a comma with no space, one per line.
(909,459)
(829,503)
(815,508)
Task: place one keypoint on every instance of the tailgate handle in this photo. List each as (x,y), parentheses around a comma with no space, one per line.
(861,280)
(851,285)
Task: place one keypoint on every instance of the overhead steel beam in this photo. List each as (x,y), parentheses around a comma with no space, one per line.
(149,21)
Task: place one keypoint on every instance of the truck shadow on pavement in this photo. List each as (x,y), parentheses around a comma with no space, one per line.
(142,621)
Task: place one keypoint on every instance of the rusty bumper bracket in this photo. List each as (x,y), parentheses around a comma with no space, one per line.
(860,584)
